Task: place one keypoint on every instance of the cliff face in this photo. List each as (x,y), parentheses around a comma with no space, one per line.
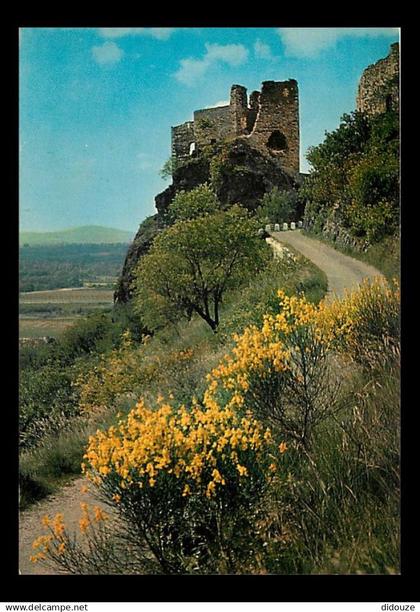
(241,174)
(237,172)
(140,245)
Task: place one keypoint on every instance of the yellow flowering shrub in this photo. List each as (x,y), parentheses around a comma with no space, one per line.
(366,322)
(176,473)
(199,448)
(116,373)
(57,548)
(125,371)
(282,371)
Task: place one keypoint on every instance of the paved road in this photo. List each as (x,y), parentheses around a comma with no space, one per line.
(343,272)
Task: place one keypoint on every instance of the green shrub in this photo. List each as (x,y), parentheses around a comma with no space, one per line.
(94,333)
(46,400)
(354,182)
(198,202)
(278,206)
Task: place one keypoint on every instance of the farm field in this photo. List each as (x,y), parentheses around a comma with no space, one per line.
(50,312)
(51,267)
(37,328)
(65,296)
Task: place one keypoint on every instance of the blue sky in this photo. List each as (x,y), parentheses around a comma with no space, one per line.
(97,105)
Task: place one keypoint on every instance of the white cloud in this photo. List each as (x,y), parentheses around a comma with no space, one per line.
(192,69)
(234,55)
(219,103)
(159,33)
(262,50)
(309,42)
(108,53)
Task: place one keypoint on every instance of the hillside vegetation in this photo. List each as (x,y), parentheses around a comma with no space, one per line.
(352,193)
(277,452)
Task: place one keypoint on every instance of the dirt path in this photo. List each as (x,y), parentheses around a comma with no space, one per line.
(342,272)
(67,501)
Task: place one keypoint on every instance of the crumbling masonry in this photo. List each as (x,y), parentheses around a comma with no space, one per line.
(269,122)
(379,85)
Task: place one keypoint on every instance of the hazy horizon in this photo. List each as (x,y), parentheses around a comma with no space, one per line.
(74,227)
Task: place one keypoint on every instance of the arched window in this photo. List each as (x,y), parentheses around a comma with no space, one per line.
(192,148)
(277,142)
(388,102)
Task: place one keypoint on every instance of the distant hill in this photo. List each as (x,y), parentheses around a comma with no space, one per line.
(92,234)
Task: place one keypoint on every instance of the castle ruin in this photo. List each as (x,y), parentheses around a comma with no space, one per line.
(269,121)
(378,89)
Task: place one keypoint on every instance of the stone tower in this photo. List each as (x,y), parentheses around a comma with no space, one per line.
(276,128)
(269,123)
(238,109)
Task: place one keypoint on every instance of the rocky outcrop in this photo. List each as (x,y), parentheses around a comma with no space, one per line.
(186,177)
(146,233)
(237,172)
(241,174)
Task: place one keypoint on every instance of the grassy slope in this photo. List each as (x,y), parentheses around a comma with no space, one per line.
(83,235)
(352,525)
(41,466)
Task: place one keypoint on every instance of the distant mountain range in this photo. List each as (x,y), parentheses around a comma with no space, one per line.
(92,234)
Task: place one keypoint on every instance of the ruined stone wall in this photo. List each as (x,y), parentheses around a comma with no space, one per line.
(212,125)
(270,123)
(276,129)
(254,105)
(379,85)
(238,109)
(182,138)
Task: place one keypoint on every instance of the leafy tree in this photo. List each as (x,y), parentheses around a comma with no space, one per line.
(195,203)
(193,263)
(355,177)
(167,169)
(278,206)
